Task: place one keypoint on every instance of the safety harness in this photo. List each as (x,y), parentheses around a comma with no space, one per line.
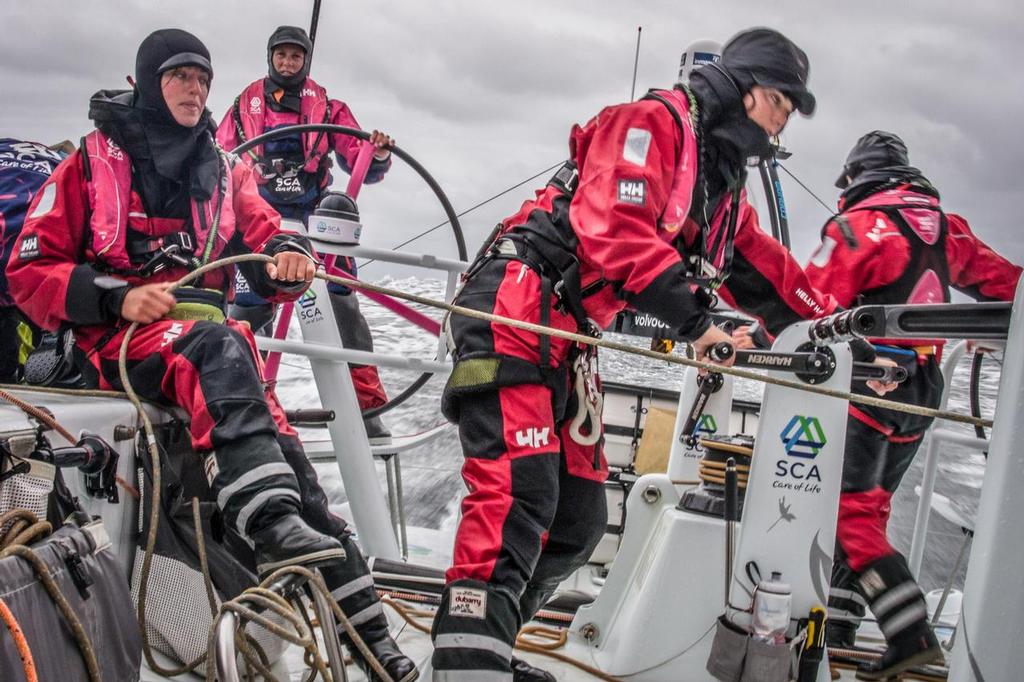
(149,255)
(285,177)
(547,244)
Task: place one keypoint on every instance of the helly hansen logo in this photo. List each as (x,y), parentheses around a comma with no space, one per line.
(533,437)
(632,191)
(173,332)
(29,248)
(468,602)
(211,468)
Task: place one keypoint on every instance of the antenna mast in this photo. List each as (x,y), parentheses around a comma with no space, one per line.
(636,61)
(312,28)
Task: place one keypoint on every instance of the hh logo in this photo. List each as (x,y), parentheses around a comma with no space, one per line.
(173,332)
(707,424)
(532,438)
(29,248)
(803,437)
(308,92)
(255,105)
(632,191)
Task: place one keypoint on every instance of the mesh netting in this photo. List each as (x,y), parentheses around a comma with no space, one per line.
(30,490)
(178,616)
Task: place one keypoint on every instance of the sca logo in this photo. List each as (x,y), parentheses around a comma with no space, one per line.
(802,439)
(288,185)
(707,424)
(308,309)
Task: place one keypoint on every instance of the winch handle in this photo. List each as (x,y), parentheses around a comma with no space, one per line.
(731,491)
(721,351)
(868,371)
(707,384)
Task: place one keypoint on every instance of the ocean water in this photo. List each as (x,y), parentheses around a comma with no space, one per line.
(433,486)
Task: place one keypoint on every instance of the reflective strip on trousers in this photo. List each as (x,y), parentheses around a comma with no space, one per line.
(913,614)
(250,477)
(894,597)
(351,587)
(258,501)
(460,640)
(839,593)
(366,615)
(471,676)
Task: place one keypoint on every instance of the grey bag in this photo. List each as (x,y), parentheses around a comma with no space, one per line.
(728,650)
(90,577)
(766,662)
(738,657)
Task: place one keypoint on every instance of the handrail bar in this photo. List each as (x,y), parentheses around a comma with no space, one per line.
(936,436)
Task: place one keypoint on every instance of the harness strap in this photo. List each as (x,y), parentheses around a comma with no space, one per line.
(487,372)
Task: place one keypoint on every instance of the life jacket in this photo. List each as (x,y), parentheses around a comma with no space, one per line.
(921,221)
(123,238)
(253,117)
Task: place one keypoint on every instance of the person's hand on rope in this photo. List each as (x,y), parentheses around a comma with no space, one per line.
(702,345)
(291,266)
(382,142)
(879,387)
(147,303)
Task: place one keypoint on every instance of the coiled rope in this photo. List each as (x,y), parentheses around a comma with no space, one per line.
(259,597)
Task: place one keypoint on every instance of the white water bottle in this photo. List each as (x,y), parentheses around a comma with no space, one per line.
(772,602)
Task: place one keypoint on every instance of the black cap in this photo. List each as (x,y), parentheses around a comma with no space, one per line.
(288,35)
(762,56)
(877,149)
(166,49)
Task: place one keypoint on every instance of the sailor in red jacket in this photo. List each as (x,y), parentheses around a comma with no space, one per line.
(293,174)
(148,198)
(650,204)
(892,243)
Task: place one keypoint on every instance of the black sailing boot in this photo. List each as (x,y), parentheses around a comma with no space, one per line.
(899,606)
(846,605)
(524,672)
(288,541)
(533,598)
(378,640)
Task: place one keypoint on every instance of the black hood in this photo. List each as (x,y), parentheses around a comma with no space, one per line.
(289,35)
(878,160)
(164,155)
(730,138)
(161,51)
(762,56)
(875,150)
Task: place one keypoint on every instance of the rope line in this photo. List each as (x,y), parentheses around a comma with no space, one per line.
(806,189)
(468,210)
(654,355)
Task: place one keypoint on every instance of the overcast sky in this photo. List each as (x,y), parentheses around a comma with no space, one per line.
(484,93)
